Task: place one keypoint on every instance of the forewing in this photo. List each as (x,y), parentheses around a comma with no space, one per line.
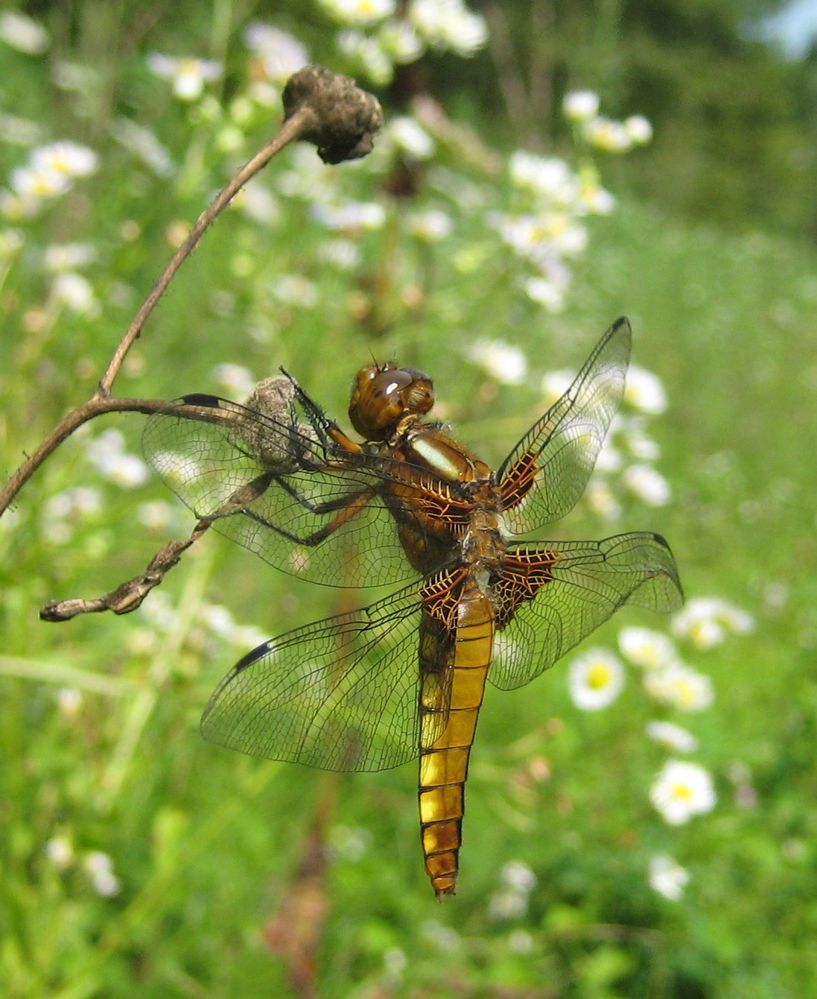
(552,595)
(277,485)
(547,471)
(338,694)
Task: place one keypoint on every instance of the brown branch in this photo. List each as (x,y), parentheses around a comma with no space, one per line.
(95,406)
(100,402)
(320,107)
(292,128)
(129,595)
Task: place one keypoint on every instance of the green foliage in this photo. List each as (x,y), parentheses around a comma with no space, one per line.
(138,860)
(735,129)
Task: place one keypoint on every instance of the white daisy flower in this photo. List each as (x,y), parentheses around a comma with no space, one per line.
(705,621)
(400,42)
(32,184)
(155,515)
(411,137)
(367,54)
(667,877)
(60,851)
(126,470)
(608,135)
(547,293)
(681,790)
(521,942)
(602,500)
(342,254)
(73,503)
(518,876)
(106,453)
(647,648)
(295,289)
(187,74)
(430,226)
(529,234)
(610,459)
(358,12)
(350,216)
(100,869)
(448,24)
(595,199)
(75,293)
(639,129)
(69,158)
(11,242)
(644,391)
(507,904)
(281,53)
(555,384)
(637,441)
(258,203)
(110,441)
(67,256)
(580,105)
(647,484)
(69,701)
(595,679)
(144,144)
(672,736)
(235,378)
(23,33)
(48,174)
(217,619)
(549,177)
(505,363)
(680,686)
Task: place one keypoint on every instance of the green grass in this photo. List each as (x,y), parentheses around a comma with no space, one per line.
(210,847)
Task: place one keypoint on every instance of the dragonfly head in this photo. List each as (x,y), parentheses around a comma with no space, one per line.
(384,394)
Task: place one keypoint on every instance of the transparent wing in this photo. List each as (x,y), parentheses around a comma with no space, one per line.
(277,484)
(553,594)
(545,474)
(338,694)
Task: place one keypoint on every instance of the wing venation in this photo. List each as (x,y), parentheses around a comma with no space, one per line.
(546,473)
(555,593)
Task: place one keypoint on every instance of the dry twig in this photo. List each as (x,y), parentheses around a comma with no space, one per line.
(320,107)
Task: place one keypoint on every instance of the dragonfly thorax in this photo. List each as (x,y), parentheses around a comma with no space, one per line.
(384,394)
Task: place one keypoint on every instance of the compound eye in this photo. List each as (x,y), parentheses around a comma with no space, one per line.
(383,395)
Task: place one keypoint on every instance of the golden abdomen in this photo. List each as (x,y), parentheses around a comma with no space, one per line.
(454,664)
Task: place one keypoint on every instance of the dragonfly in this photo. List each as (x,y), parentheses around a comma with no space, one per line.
(404,677)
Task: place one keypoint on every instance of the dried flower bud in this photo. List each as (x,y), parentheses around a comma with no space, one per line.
(346,117)
(279,442)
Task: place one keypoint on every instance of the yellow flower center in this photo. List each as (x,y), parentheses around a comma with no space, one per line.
(682,792)
(685,694)
(599,676)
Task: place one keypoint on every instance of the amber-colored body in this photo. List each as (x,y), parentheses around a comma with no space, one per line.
(406,675)
(457,625)
(456,631)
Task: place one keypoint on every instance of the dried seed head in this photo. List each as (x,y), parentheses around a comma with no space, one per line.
(346,117)
(279,442)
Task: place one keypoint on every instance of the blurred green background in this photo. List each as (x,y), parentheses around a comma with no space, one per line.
(139,860)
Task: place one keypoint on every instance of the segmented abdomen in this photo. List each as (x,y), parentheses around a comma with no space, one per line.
(453,664)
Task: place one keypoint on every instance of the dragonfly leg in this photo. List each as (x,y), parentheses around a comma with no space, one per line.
(324,506)
(349,508)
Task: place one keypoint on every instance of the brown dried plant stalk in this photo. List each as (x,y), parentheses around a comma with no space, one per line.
(320,107)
